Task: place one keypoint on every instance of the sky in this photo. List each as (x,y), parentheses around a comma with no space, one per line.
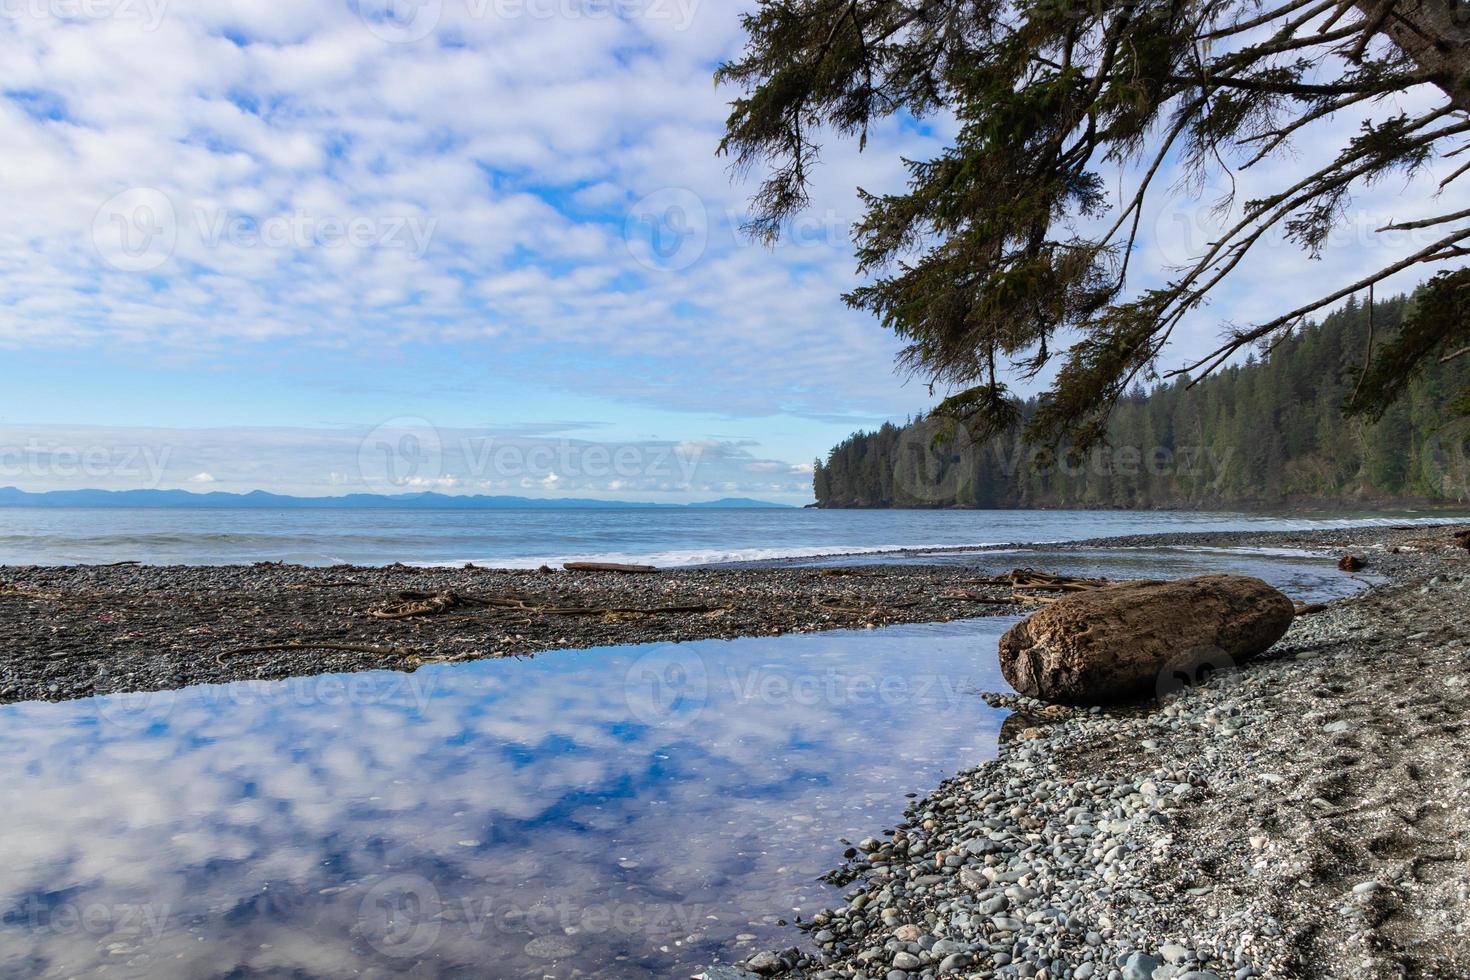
(476,246)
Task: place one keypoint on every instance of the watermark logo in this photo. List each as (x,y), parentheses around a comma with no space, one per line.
(399,916)
(136,231)
(399,21)
(1188,228)
(668,686)
(136,711)
(933,462)
(405,453)
(668,230)
(1443,461)
(1193,669)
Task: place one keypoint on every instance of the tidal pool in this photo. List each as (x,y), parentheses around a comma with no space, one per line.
(624,812)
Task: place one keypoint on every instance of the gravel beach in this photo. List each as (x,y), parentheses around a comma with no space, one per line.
(1307,815)
(79,631)
(1304,816)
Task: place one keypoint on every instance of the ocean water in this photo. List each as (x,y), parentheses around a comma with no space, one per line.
(637,811)
(528,538)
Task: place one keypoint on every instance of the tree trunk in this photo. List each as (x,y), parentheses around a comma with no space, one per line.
(1436,34)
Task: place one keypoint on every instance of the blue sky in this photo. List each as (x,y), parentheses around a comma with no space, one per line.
(258,236)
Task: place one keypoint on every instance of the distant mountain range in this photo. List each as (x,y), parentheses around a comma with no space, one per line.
(260,500)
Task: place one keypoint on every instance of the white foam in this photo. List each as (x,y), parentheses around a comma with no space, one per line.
(1263,551)
(682,559)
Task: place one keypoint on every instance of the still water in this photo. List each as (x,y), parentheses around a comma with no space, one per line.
(624,812)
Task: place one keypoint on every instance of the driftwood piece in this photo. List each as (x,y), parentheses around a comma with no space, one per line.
(412,605)
(1025,583)
(598,566)
(964,595)
(831,604)
(313,645)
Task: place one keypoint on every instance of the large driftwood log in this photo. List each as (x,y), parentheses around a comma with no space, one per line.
(1124,641)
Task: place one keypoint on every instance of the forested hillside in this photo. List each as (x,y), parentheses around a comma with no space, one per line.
(1271,431)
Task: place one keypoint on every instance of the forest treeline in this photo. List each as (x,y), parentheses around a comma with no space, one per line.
(1268,432)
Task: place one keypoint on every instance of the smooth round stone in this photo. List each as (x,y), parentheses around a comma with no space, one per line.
(549,948)
(1174,953)
(1140,966)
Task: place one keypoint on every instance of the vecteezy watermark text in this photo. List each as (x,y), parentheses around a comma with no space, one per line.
(414,453)
(143,922)
(410,21)
(403,916)
(304,229)
(140,229)
(39,460)
(146,13)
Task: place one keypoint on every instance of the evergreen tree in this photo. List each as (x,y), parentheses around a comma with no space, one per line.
(1072,118)
(1268,432)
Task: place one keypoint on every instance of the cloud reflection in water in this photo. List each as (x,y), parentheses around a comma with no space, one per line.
(619,812)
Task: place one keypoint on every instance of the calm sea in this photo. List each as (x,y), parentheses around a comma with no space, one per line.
(527,538)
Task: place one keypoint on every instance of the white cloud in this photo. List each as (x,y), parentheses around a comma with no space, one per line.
(407,456)
(244,119)
(326,190)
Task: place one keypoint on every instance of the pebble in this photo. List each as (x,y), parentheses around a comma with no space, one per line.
(1140,966)
(549,948)
(906,961)
(1174,953)
(1068,872)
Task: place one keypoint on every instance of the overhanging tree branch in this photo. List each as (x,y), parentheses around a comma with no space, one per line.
(980,259)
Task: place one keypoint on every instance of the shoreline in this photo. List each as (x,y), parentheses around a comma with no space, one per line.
(79,631)
(1306,816)
(1319,539)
